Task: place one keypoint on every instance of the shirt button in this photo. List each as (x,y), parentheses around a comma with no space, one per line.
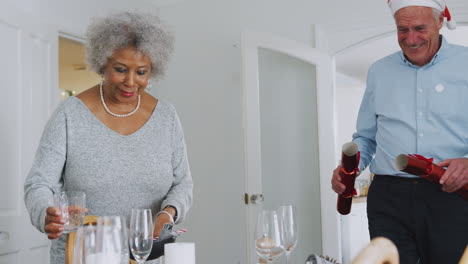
(420,113)
(420,90)
(421,134)
(439,88)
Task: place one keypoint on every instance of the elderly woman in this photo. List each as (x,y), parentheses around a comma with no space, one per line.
(121,146)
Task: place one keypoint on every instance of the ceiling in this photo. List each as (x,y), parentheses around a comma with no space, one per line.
(161,3)
(356,61)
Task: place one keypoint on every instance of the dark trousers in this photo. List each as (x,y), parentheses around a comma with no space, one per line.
(424,222)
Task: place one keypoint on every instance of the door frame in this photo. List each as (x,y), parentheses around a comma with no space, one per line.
(251,42)
(36,44)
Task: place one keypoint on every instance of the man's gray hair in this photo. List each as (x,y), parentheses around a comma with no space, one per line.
(146,32)
(437,13)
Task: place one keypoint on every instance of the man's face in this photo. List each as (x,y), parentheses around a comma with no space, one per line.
(418,33)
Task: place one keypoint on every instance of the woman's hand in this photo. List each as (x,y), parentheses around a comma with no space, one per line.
(54,223)
(163,219)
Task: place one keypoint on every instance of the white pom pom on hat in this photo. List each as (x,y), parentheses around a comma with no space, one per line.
(451,24)
(396,5)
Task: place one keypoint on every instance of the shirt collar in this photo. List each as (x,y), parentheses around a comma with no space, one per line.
(435,59)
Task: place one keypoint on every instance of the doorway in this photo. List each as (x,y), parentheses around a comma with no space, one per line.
(289,144)
(288,91)
(74,73)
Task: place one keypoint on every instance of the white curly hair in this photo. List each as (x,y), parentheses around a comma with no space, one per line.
(146,32)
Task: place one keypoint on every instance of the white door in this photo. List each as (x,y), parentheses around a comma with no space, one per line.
(28,71)
(288,99)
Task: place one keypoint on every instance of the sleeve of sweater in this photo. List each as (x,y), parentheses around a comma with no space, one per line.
(180,194)
(45,176)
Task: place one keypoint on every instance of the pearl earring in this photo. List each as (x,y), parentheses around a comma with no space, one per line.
(148,87)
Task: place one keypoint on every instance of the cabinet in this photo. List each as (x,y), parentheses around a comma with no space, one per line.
(354,230)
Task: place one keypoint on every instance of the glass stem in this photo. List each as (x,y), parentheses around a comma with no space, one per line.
(288,258)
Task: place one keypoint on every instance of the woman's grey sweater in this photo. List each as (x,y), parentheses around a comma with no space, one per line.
(147,169)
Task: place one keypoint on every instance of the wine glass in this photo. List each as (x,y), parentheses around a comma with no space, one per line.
(268,243)
(288,226)
(85,251)
(113,235)
(141,234)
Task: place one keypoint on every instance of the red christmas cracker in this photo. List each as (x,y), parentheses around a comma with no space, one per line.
(349,171)
(425,168)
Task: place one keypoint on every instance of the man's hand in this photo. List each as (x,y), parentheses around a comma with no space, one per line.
(337,186)
(456,175)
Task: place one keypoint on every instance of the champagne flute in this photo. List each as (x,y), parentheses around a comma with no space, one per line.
(288,226)
(268,243)
(141,234)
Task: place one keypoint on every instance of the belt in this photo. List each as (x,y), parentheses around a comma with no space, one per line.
(394,178)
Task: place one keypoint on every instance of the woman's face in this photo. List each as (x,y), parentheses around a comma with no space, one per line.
(126,74)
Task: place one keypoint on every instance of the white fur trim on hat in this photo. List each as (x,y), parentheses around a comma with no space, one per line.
(396,5)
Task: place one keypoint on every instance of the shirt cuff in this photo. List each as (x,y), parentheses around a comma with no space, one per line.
(42,217)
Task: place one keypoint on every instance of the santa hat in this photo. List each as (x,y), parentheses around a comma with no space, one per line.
(396,5)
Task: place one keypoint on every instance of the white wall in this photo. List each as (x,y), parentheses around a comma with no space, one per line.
(349,92)
(72,16)
(204,83)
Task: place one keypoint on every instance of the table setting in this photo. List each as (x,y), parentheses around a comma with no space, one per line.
(111,241)
(276,233)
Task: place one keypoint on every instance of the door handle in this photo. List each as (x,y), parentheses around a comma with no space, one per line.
(4,236)
(256,198)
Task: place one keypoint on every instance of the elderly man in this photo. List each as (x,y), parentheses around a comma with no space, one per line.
(415,104)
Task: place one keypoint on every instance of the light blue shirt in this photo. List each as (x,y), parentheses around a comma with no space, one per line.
(409,109)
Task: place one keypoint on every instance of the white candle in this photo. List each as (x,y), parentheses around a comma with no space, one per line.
(100,258)
(179,253)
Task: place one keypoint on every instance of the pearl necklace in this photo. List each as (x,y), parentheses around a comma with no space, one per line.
(116,115)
